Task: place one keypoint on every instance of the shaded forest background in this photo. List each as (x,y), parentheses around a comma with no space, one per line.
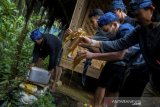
(17,19)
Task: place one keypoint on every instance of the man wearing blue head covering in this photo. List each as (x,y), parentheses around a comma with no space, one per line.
(46,44)
(147,35)
(93,16)
(112,74)
(119,8)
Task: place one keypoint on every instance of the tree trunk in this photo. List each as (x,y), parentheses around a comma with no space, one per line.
(17,54)
(21,38)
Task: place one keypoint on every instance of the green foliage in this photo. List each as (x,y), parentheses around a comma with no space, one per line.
(11,25)
(45,101)
(7,6)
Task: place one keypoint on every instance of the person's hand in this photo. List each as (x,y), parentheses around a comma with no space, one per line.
(67,34)
(86,54)
(85,42)
(31,65)
(39,63)
(68,31)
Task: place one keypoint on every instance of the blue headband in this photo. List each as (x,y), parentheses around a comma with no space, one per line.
(118,4)
(36,35)
(107,18)
(140,4)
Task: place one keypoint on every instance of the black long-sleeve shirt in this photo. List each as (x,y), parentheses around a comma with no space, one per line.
(149,40)
(51,46)
(131,21)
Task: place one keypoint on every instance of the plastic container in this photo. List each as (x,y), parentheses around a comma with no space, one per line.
(38,75)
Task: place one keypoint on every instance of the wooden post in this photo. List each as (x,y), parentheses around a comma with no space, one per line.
(79,14)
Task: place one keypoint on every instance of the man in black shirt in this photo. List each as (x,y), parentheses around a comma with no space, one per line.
(119,8)
(137,69)
(148,37)
(46,44)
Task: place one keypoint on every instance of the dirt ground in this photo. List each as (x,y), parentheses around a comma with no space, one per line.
(71,93)
(62,100)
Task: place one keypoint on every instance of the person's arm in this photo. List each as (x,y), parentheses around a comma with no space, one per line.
(37,57)
(111,46)
(54,53)
(111,56)
(120,44)
(94,50)
(52,62)
(35,54)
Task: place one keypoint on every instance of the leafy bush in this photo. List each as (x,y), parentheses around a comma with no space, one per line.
(11,25)
(45,101)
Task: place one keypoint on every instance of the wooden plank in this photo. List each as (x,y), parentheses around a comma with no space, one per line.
(92,72)
(77,14)
(86,16)
(75,93)
(83,13)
